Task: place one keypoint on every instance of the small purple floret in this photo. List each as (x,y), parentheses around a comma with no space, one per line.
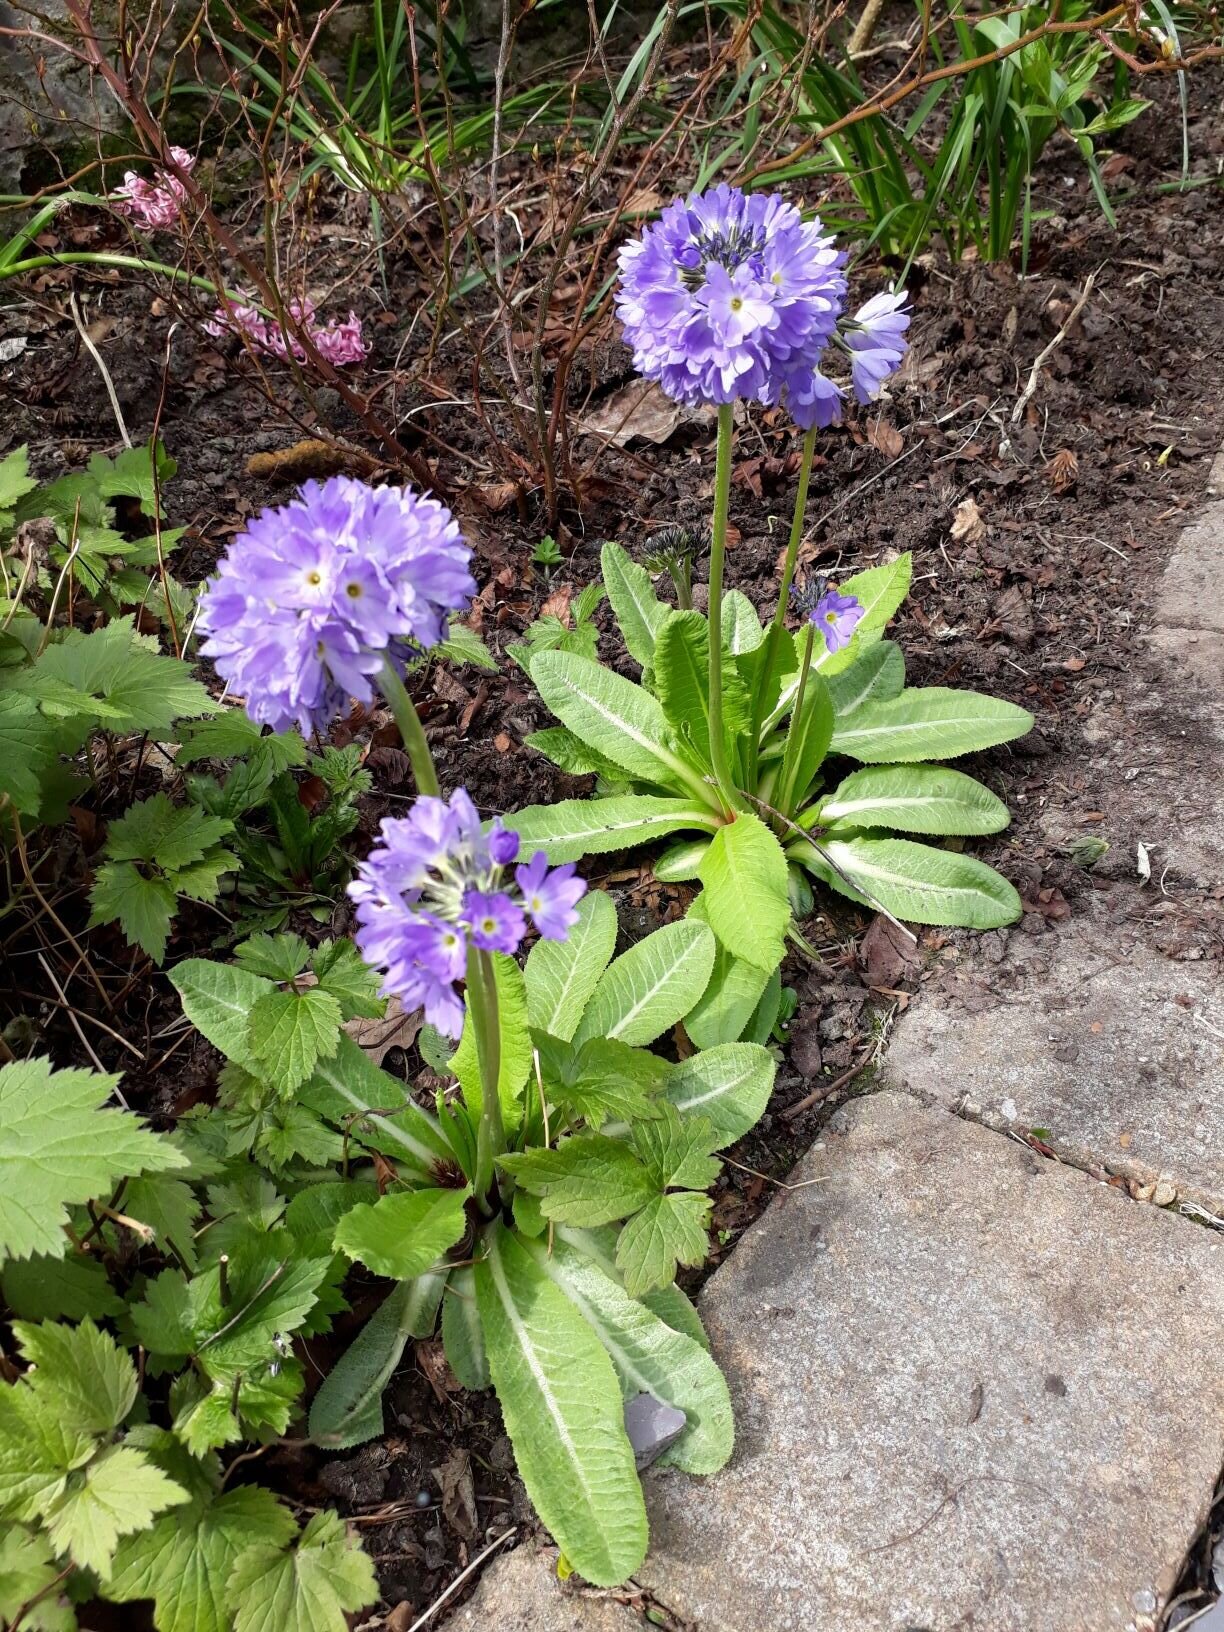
(433,884)
(836,616)
(550,898)
(311,598)
(877,343)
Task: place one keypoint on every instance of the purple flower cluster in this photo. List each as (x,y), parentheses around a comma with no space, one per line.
(340,343)
(730,295)
(733,295)
(434,884)
(309,601)
(154,204)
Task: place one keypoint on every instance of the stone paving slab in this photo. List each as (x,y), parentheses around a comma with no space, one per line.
(519,1592)
(974,1389)
(1115,1052)
(1189,596)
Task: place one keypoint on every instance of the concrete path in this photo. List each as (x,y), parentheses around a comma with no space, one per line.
(978,1389)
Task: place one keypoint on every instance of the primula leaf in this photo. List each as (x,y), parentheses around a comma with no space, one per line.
(588,1179)
(119,1492)
(514,1055)
(405,1233)
(915,799)
(311,1587)
(462,1333)
(569,753)
(620,719)
(878,674)
(914,881)
(347,1410)
(561,975)
(650,1356)
(811,735)
(732,993)
(289,1032)
(637,609)
(574,828)
(669,1230)
(880,591)
(351,1091)
(57,1146)
(218,998)
(651,986)
(928,722)
(745,897)
(727,1085)
(562,1408)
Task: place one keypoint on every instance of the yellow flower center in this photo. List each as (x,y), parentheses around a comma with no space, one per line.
(353,591)
(736,303)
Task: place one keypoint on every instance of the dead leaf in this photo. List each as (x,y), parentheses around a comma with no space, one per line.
(395,1029)
(431,1357)
(496,496)
(639,411)
(886,437)
(642,201)
(458,1494)
(887,953)
(1014,617)
(558,604)
(967,524)
(1062,470)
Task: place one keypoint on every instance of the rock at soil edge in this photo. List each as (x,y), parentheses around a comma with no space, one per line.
(1113,1052)
(973,1388)
(519,1592)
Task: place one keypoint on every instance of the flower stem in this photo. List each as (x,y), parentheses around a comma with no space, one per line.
(410,728)
(718,544)
(777,629)
(783,795)
(486,1026)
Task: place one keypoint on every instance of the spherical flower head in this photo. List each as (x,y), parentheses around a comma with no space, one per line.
(726,292)
(315,595)
(550,897)
(877,343)
(836,616)
(434,885)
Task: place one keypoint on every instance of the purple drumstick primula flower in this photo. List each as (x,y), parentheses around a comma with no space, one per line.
(730,295)
(433,884)
(311,599)
(550,898)
(836,616)
(877,343)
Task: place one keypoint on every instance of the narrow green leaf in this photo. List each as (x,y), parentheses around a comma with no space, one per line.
(574,828)
(650,1356)
(620,719)
(915,881)
(915,799)
(561,975)
(928,722)
(562,1407)
(745,897)
(879,673)
(347,1410)
(404,1233)
(462,1333)
(637,609)
(652,985)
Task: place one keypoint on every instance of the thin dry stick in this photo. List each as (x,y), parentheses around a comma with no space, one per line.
(1026,396)
(76,1025)
(433,1609)
(102,368)
(827,1088)
(865,28)
(32,882)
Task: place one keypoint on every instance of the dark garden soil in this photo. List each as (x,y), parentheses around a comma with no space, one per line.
(1036,545)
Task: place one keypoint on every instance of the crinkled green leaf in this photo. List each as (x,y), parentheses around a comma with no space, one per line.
(669,1230)
(58,1146)
(289,1032)
(311,1587)
(588,1179)
(403,1234)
